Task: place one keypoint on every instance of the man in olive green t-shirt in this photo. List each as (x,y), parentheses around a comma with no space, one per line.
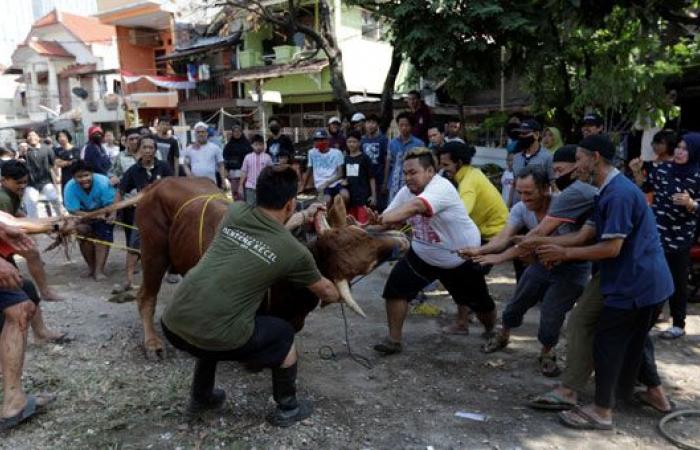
(213,314)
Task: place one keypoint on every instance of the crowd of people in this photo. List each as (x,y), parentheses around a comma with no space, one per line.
(585,239)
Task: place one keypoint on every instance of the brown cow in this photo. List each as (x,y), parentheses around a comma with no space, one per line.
(178,218)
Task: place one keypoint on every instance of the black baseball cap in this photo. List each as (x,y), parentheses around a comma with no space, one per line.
(566,153)
(592,119)
(601,144)
(528,126)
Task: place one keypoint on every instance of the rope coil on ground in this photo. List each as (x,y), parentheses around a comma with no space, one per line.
(674,415)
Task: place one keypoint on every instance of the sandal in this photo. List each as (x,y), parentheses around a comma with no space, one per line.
(548,365)
(388,347)
(455,329)
(551,402)
(580,419)
(672,333)
(497,342)
(641,398)
(31,408)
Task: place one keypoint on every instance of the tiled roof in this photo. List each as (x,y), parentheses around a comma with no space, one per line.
(87,29)
(47,48)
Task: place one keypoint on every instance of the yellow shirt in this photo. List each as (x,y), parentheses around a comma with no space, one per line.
(482,201)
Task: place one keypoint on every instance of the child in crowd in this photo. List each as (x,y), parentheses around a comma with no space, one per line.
(507,179)
(253,164)
(359,185)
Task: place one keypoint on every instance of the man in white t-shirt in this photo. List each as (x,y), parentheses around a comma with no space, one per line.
(441,226)
(325,165)
(203,158)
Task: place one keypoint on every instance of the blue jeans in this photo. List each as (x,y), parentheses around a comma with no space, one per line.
(557,289)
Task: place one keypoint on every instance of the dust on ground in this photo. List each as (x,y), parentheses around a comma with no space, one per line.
(111,397)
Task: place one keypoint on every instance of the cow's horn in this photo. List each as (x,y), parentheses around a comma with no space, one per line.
(345,295)
(321,223)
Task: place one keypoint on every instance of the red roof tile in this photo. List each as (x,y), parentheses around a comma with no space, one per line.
(49,49)
(87,29)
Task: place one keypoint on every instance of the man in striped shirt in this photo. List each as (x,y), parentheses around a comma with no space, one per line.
(253,164)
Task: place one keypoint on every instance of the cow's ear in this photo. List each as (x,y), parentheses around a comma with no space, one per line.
(337,215)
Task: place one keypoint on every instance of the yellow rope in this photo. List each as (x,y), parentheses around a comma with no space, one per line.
(108,244)
(122,224)
(209,198)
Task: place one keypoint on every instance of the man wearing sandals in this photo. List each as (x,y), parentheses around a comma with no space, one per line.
(634,282)
(554,288)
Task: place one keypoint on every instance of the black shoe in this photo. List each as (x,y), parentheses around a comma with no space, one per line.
(216,401)
(388,347)
(287,417)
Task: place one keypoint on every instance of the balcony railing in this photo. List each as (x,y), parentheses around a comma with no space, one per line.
(217,88)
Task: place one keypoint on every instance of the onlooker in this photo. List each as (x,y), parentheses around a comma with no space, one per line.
(15,178)
(325,166)
(398,147)
(357,122)
(440,226)
(592,124)
(94,153)
(111,146)
(122,164)
(436,138)
(375,146)
(40,161)
(507,179)
(147,170)
(663,144)
(235,150)
(253,164)
(66,155)
(336,138)
(422,118)
(453,130)
(168,147)
(358,186)
(205,159)
(551,139)
(529,153)
(86,192)
(278,144)
(674,189)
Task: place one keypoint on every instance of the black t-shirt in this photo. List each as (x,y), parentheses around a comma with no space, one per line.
(169,149)
(72,155)
(138,177)
(281,145)
(357,174)
(39,162)
(234,152)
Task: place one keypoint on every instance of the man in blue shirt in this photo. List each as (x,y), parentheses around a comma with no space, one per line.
(86,192)
(634,278)
(398,147)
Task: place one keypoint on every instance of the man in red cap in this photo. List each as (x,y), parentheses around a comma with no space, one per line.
(94,154)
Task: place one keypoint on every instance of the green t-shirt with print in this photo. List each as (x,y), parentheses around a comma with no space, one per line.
(9,202)
(214,307)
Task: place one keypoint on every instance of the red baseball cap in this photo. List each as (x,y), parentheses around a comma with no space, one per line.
(95,129)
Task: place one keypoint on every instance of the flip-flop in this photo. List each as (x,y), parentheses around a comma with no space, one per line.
(585,420)
(494,344)
(642,400)
(29,410)
(551,402)
(454,329)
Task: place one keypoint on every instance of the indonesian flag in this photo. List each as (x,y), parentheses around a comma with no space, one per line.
(170,82)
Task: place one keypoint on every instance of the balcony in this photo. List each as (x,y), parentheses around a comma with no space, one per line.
(214,93)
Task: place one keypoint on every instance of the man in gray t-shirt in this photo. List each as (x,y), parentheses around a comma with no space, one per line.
(559,287)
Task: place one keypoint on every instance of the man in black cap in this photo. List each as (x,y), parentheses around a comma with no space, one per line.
(592,125)
(529,152)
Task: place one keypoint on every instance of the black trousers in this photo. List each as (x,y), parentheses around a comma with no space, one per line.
(618,349)
(679,264)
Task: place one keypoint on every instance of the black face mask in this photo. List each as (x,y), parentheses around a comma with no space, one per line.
(525,142)
(97,139)
(275,129)
(564,181)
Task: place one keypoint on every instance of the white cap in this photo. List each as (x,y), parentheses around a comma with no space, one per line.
(334,119)
(357,117)
(200,126)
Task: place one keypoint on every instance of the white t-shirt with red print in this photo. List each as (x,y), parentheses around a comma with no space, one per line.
(444,228)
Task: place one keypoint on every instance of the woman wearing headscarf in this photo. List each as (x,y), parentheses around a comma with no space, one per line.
(234,152)
(676,191)
(551,139)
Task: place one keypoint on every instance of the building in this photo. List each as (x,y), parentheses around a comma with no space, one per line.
(69,72)
(144,34)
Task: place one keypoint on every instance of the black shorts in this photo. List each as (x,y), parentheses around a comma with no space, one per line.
(13,297)
(102,230)
(466,283)
(267,348)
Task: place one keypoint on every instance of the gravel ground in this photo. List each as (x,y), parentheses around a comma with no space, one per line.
(111,397)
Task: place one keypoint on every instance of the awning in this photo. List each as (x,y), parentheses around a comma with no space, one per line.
(170,82)
(202,45)
(278,70)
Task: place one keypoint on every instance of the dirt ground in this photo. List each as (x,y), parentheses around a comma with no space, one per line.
(111,397)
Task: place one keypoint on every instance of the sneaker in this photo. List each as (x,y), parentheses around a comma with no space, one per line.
(288,417)
(388,347)
(672,333)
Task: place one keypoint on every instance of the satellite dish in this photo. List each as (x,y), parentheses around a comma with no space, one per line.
(80,92)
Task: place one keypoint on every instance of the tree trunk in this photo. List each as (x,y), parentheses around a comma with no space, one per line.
(335,60)
(387,107)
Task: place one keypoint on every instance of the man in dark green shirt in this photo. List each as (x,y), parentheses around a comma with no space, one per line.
(213,313)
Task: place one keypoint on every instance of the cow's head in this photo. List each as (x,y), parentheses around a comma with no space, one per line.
(343,251)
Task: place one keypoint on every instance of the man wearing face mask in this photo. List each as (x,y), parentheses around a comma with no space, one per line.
(529,152)
(278,144)
(325,167)
(94,153)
